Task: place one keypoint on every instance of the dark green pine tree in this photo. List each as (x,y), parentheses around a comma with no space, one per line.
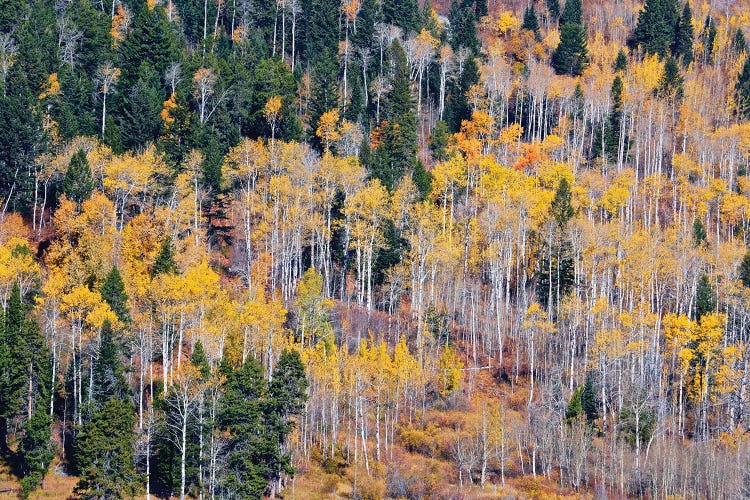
(708,36)
(109,371)
(575,408)
(481,8)
(403,13)
(655,31)
(439,141)
(571,56)
(561,209)
(165,263)
(139,121)
(699,233)
(36,450)
(705,299)
(200,361)
(744,270)
(589,400)
(670,82)
(608,144)
(252,453)
(739,43)
(113,293)
(742,88)
(621,62)
(397,153)
(104,453)
(531,22)
(463,29)
(458,108)
(366,18)
(572,13)
(78,183)
(553,7)
(682,47)
(13,362)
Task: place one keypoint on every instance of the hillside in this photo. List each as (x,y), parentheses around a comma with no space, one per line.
(374,249)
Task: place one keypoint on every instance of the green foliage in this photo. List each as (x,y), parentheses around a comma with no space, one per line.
(108,372)
(165,263)
(200,361)
(670,82)
(739,43)
(113,293)
(699,232)
(458,108)
(553,7)
(705,299)
(422,180)
(637,425)
(561,208)
(742,88)
(575,407)
(13,366)
(403,13)
(287,391)
(463,30)
(36,450)
(682,47)
(439,141)
(572,13)
(655,31)
(608,140)
(708,36)
(571,56)
(104,453)
(531,23)
(589,400)
(78,183)
(744,270)
(621,62)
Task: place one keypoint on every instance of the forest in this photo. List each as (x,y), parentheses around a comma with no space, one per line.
(374,249)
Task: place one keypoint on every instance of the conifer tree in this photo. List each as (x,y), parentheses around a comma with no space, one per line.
(670,82)
(699,232)
(739,43)
(458,108)
(165,263)
(113,293)
(742,88)
(655,30)
(621,61)
(463,30)
(403,13)
(744,270)
(589,400)
(531,23)
(108,372)
(553,7)
(104,453)
(705,299)
(708,36)
(571,55)
(561,209)
(609,144)
(78,183)
(13,367)
(36,450)
(682,47)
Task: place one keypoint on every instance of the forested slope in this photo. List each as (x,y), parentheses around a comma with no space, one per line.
(374,248)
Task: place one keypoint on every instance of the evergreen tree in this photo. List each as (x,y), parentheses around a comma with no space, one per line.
(78,183)
(742,88)
(439,141)
(589,400)
(708,36)
(165,263)
(621,62)
(745,270)
(575,408)
(287,391)
(655,31)
(104,453)
(108,371)
(458,108)
(531,23)
(739,43)
(113,293)
(705,299)
(572,13)
(36,450)
(200,361)
(553,7)
(463,30)
(561,209)
(397,153)
(682,48)
(571,56)
(252,453)
(699,232)
(403,13)
(481,8)
(13,366)
(608,145)
(366,19)
(670,82)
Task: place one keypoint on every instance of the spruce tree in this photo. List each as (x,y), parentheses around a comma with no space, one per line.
(78,183)
(608,145)
(708,36)
(463,30)
(705,299)
(458,108)
(621,62)
(590,400)
(36,450)
(108,371)
(553,7)
(561,209)
(403,13)
(165,263)
(571,56)
(670,82)
(742,89)
(531,23)
(13,362)
(104,453)
(699,232)
(200,361)
(682,48)
(572,13)
(575,408)
(113,293)
(744,270)
(655,30)
(739,43)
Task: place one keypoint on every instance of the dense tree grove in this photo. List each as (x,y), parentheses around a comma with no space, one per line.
(367,248)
